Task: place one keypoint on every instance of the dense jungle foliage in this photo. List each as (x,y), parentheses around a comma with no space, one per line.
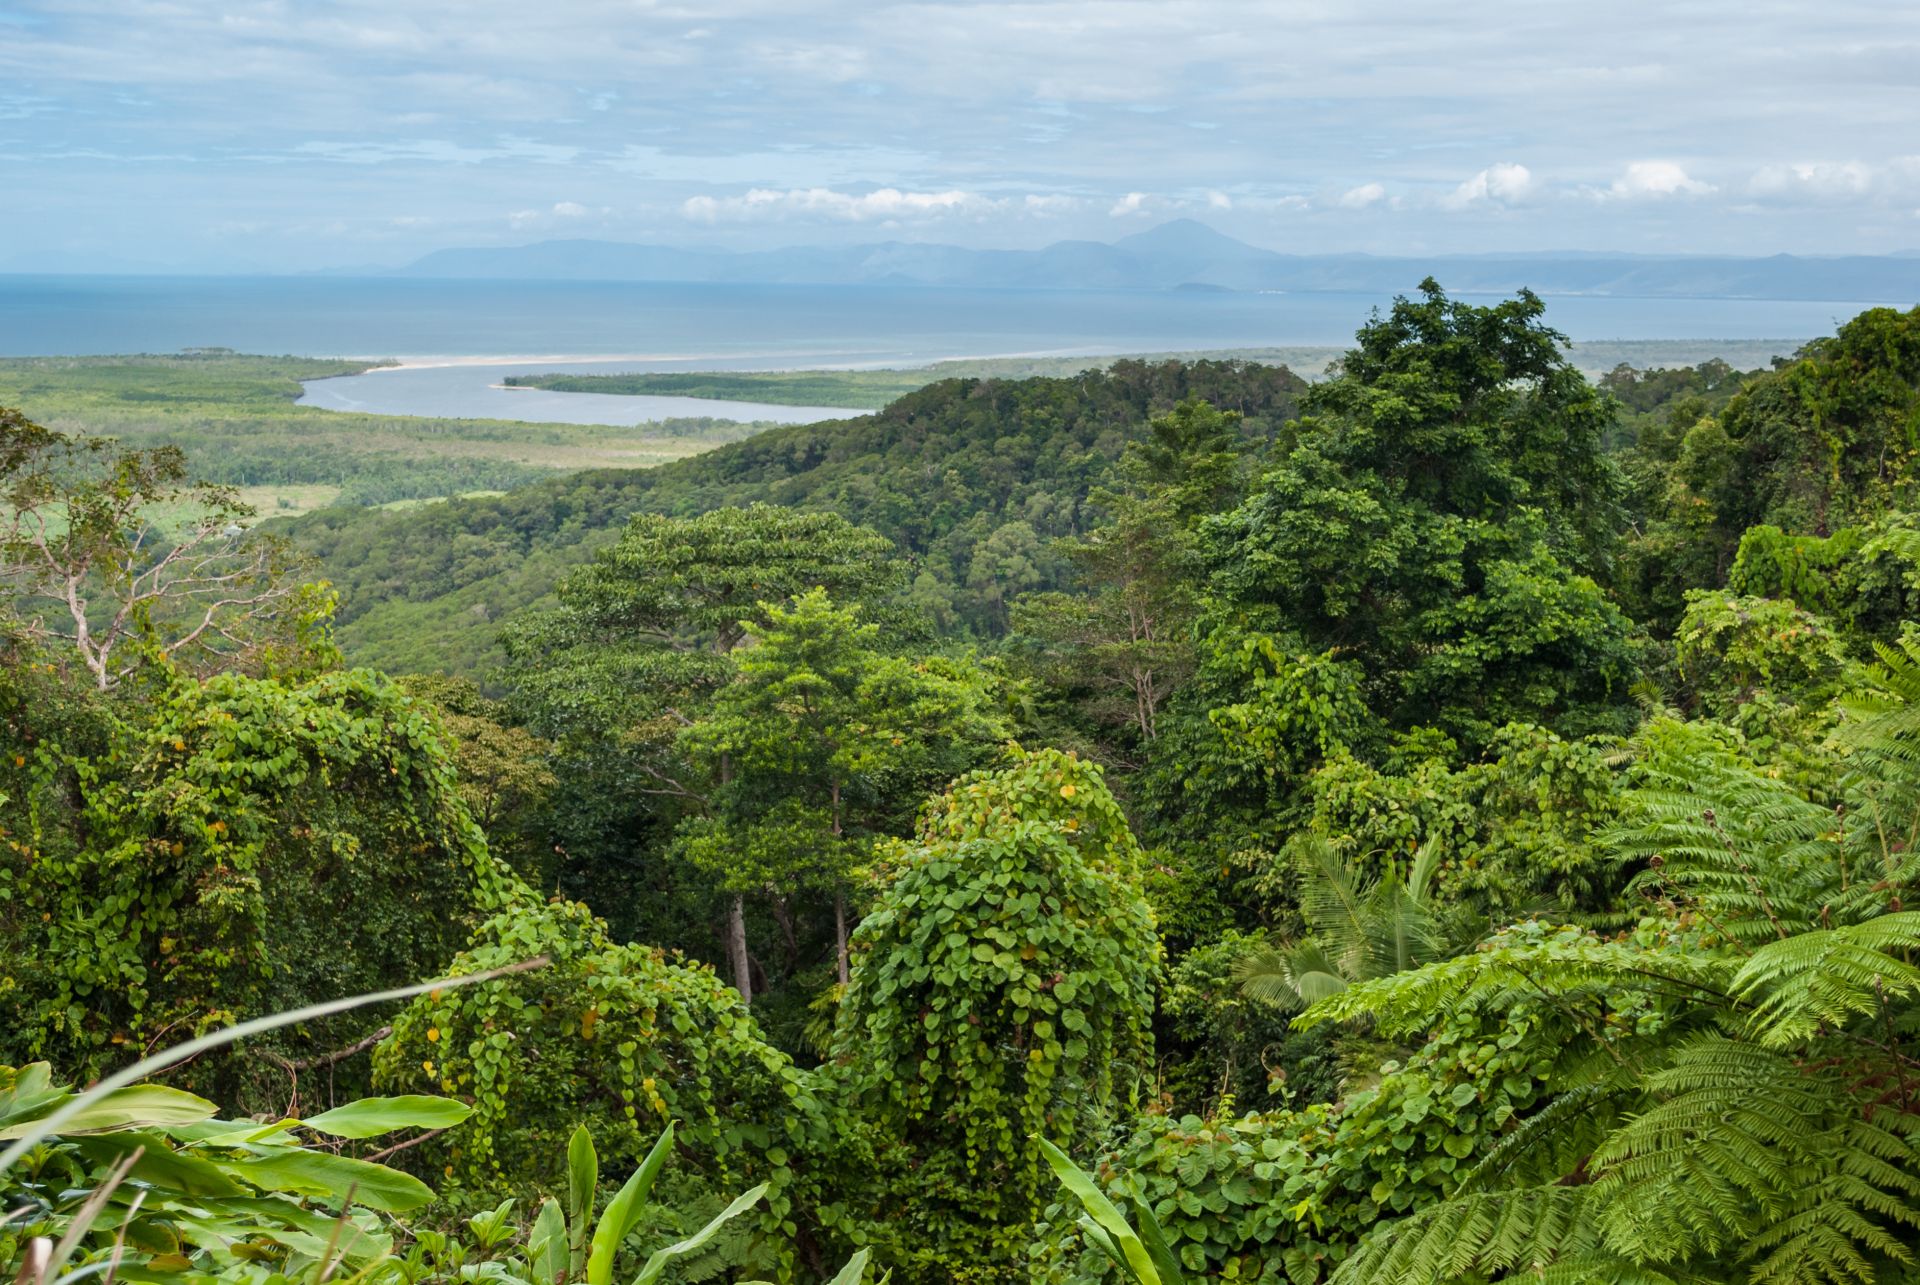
(1452,822)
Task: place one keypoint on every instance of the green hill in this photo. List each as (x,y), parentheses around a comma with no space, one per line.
(972,478)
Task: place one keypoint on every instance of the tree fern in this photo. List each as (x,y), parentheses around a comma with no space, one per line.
(1827,978)
(1522,1230)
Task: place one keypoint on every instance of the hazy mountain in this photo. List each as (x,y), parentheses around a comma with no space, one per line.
(1185,253)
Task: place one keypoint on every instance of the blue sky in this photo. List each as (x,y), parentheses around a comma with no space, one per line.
(250,134)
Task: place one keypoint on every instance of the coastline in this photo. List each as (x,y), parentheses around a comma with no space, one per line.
(810,361)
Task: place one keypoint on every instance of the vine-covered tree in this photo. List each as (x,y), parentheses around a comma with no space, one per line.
(1001,990)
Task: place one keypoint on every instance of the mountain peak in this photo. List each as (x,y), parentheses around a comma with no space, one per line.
(1188,237)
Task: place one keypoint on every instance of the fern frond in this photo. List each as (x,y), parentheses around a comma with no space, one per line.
(1554,1141)
(1524,1230)
(1608,1269)
(1527,961)
(1829,977)
(1754,854)
(1746,1151)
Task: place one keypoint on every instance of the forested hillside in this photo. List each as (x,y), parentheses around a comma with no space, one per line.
(1452,823)
(971,479)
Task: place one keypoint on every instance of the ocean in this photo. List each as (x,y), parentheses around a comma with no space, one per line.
(754,325)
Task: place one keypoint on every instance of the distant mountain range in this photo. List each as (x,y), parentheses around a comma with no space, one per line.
(1191,255)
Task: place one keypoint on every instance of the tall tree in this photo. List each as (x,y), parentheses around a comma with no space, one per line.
(1438,518)
(1123,642)
(830,742)
(644,636)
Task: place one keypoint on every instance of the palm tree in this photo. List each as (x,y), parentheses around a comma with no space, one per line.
(1359,926)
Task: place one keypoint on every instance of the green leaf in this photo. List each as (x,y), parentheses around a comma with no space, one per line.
(331,1177)
(624,1210)
(583,1175)
(1102,1211)
(370,1117)
(855,1271)
(661,1257)
(1156,1242)
(159,1165)
(132,1107)
(1104,1243)
(547,1244)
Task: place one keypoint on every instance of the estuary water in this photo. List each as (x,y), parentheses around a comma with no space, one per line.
(473,390)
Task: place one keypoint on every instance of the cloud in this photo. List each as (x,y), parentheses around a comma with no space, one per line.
(647,104)
(1502,184)
(520,220)
(834,64)
(1219,201)
(1050,205)
(825,204)
(430,150)
(1653,180)
(1359,198)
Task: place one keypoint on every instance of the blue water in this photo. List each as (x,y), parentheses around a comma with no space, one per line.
(754,325)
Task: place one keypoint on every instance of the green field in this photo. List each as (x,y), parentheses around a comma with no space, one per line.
(236,418)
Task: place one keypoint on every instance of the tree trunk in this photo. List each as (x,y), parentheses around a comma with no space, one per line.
(839,901)
(737,919)
(840,933)
(737,947)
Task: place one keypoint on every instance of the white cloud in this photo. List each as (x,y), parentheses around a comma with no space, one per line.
(1817,179)
(1048,205)
(1359,198)
(519,220)
(824,203)
(1502,184)
(1131,203)
(1219,201)
(1652,180)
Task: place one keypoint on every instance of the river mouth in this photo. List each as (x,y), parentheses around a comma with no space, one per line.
(474,388)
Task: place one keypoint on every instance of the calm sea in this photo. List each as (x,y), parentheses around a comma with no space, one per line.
(385,317)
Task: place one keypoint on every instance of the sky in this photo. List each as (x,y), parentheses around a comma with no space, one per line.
(249,135)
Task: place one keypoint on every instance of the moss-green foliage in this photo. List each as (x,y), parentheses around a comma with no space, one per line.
(1282,1196)
(1512,828)
(1824,443)
(1859,577)
(970,477)
(621,1038)
(1001,994)
(1437,520)
(1731,1103)
(1729,649)
(192,856)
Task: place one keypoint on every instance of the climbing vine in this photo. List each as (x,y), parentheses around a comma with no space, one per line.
(239,844)
(1000,994)
(621,1039)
